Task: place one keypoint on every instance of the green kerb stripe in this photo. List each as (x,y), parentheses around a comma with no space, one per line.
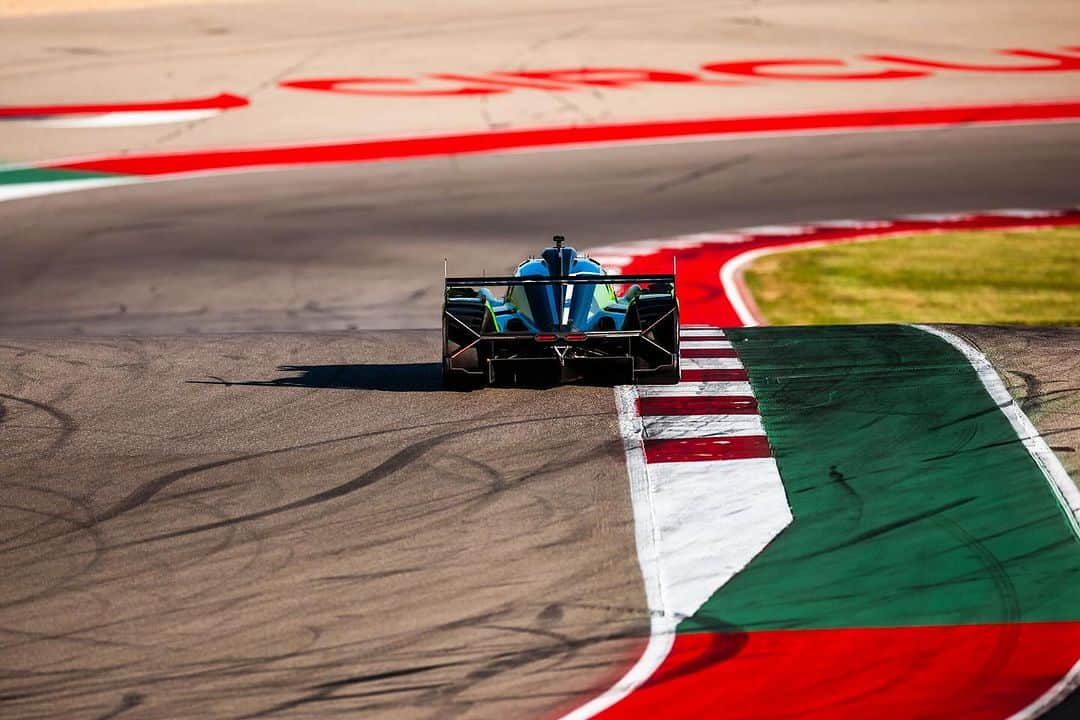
(32,175)
(914,501)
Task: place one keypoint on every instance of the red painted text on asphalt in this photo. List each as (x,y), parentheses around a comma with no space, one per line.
(721,74)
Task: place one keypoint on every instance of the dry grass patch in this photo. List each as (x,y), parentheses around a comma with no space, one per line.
(1028,277)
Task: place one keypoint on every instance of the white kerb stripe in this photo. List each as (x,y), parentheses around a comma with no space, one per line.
(710,363)
(701,332)
(714,517)
(678,427)
(697,389)
(16,191)
(706,344)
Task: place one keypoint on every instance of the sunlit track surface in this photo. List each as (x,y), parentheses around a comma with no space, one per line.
(337,247)
(188,529)
(192,532)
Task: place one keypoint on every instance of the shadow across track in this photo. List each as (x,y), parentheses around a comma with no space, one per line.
(399,377)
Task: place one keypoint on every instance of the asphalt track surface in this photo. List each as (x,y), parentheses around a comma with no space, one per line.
(1040,367)
(299,522)
(362,246)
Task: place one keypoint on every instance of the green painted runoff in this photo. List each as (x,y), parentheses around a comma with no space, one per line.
(914,501)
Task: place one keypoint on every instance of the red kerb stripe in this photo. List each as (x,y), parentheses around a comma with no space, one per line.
(691,449)
(707,353)
(979,672)
(698,405)
(718,336)
(224,101)
(714,375)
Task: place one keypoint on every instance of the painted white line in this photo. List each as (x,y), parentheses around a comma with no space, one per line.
(690,389)
(936,217)
(647,246)
(710,363)
(717,238)
(121,119)
(1067,494)
(1055,695)
(729,273)
(705,344)
(700,332)
(778,230)
(18,191)
(1024,213)
(646,533)
(854,224)
(677,427)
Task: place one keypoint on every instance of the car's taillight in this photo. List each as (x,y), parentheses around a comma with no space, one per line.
(575,337)
(546,338)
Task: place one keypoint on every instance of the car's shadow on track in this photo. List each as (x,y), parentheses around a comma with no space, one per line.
(398,377)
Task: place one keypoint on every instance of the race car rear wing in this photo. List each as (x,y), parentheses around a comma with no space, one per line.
(504,281)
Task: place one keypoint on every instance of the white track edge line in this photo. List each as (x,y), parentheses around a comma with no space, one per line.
(19,191)
(1066,493)
(126,118)
(661,623)
(1052,697)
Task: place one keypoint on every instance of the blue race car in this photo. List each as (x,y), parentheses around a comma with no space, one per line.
(561,320)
